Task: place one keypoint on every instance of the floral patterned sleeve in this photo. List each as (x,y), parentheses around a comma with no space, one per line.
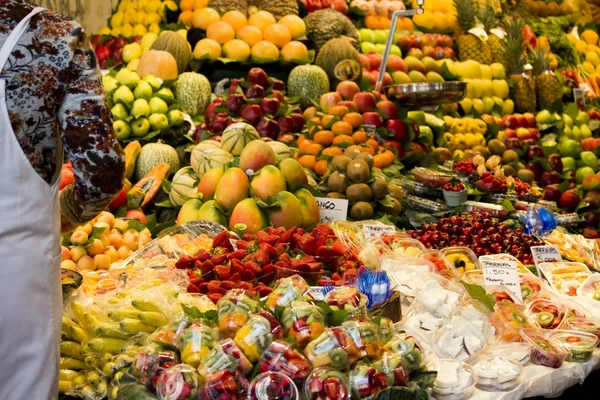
(89,141)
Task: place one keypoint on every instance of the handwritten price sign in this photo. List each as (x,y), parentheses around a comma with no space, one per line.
(504,273)
(372,230)
(331,209)
(543,254)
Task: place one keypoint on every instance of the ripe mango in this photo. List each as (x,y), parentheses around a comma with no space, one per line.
(210,212)
(208,182)
(310,209)
(189,211)
(232,188)
(290,213)
(256,155)
(293,171)
(268,182)
(248,212)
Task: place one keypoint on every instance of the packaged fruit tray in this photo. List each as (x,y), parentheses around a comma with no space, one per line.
(590,287)
(565,277)
(432,177)
(426,205)
(530,284)
(462,259)
(581,345)
(497,373)
(545,350)
(407,247)
(546,314)
(420,189)
(509,319)
(441,264)
(507,257)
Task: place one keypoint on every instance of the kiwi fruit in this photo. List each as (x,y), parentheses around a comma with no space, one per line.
(395,191)
(509,170)
(509,156)
(526,175)
(339,163)
(395,209)
(485,152)
(359,192)
(337,182)
(367,158)
(379,187)
(352,152)
(496,147)
(358,171)
(335,195)
(361,211)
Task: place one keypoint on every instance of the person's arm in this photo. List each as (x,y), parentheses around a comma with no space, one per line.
(88,139)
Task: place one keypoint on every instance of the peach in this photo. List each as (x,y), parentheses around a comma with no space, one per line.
(329,100)
(65,253)
(87,263)
(123,252)
(347,89)
(97,247)
(79,237)
(111,251)
(137,214)
(102,261)
(77,252)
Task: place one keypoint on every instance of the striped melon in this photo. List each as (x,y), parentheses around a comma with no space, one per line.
(208,144)
(178,46)
(184,186)
(203,160)
(153,154)
(282,151)
(236,136)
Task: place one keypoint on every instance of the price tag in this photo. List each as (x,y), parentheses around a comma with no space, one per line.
(479,32)
(579,95)
(377,230)
(502,272)
(541,254)
(331,209)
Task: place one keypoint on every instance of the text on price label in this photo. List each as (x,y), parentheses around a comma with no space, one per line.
(331,209)
(504,273)
(372,230)
(543,254)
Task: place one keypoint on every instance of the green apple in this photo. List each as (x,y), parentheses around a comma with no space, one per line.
(583,117)
(498,71)
(132,51)
(153,81)
(488,104)
(569,164)
(380,48)
(127,77)
(175,117)
(122,130)
(366,35)
(166,94)
(582,173)
(119,112)
(508,107)
(140,108)
(549,147)
(158,122)
(396,50)
(367,47)
(589,160)
(577,133)
(381,36)
(544,117)
(109,83)
(569,148)
(568,131)
(158,106)
(140,127)
(567,120)
(123,95)
(562,138)
(143,90)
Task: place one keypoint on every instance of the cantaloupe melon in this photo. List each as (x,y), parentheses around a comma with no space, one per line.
(236,136)
(177,46)
(203,160)
(153,154)
(340,60)
(184,186)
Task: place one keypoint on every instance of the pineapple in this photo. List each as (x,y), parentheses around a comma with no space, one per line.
(488,19)
(547,86)
(470,47)
(514,62)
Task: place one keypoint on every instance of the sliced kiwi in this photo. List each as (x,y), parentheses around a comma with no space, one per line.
(518,317)
(412,361)
(544,345)
(339,359)
(379,187)
(225,307)
(544,318)
(359,192)
(337,182)
(358,171)
(526,291)
(340,163)
(361,211)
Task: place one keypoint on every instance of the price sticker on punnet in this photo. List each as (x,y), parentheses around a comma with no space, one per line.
(331,209)
(504,273)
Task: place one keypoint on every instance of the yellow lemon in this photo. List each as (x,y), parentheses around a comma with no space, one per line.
(105,31)
(154,28)
(590,36)
(127,31)
(139,30)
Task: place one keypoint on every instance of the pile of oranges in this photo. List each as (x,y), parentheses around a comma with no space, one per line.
(336,133)
(384,22)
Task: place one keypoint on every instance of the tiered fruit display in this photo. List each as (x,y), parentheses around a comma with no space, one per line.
(438,16)
(378,14)
(136,18)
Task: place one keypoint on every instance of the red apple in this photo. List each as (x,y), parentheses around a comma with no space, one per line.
(255,92)
(396,63)
(548,178)
(298,122)
(510,133)
(278,95)
(329,100)
(219,123)
(286,124)
(399,128)
(533,152)
(534,133)
(268,127)
(277,84)
(210,112)
(349,104)
(388,108)
(404,42)
(521,120)
(102,53)
(375,60)
(394,146)
(137,214)
(536,168)
(373,118)
(365,101)
(251,113)
(340,6)
(552,193)
(235,102)
(365,62)
(531,121)
(449,53)
(370,76)
(569,200)
(509,121)
(269,105)
(235,83)
(258,77)
(347,89)
(513,143)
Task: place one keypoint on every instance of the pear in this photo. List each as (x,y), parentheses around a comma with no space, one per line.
(140,108)
(123,95)
(488,104)
(508,107)
(119,112)
(478,106)
(127,78)
(175,117)
(166,94)
(143,90)
(153,81)
(466,105)
(109,83)
(158,122)
(158,106)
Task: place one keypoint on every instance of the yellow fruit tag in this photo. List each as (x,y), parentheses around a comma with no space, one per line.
(479,32)
(498,32)
(347,70)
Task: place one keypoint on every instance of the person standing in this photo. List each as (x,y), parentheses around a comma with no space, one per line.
(51,103)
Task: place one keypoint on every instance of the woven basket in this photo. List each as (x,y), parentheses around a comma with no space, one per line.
(391,308)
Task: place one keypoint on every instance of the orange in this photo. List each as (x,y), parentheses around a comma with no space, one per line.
(308,161)
(198,4)
(328,120)
(332,151)
(277,34)
(261,20)
(264,50)
(340,111)
(221,32)
(354,119)
(379,161)
(207,47)
(236,19)
(343,139)
(237,49)
(341,128)
(250,35)
(295,24)
(408,24)
(186,5)
(205,17)
(324,137)
(313,149)
(186,17)
(294,51)
(367,149)
(302,145)
(359,137)
(371,22)
(391,156)
(383,22)
(321,167)
(373,144)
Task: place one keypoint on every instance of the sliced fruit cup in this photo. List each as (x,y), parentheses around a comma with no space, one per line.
(272,386)
(565,277)
(462,259)
(587,325)
(366,380)
(234,311)
(225,355)
(145,364)
(546,314)
(195,342)
(256,335)
(386,330)
(327,383)
(575,310)
(406,346)
(497,373)
(226,384)
(545,350)
(180,382)
(509,319)
(461,342)
(166,359)
(371,251)
(365,336)
(393,366)
(330,349)
(303,321)
(283,358)
(442,265)
(530,285)
(581,345)
(455,380)
(286,291)
(168,334)
(517,351)
(407,247)
(348,298)
(432,177)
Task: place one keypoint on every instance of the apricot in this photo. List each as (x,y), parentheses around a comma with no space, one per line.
(77,252)
(123,252)
(131,239)
(107,218)
(87,228)
(120,225)
(116,240)
(79,237)
(102,261)
(112,253)
(87,263)
(97,247)
(68,264)
(65,253)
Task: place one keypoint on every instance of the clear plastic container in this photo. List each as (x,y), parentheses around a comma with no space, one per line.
(473,312)
(234,311)
(426,205)
(225,355)
(581,345)
(531,285)
(406,274)
(509,319)
(366,380)
(432,177)
(283,358)
(393,366)
(365,336)
(507,257)
(458,342)
(565,277)
(497,373)
(455,199)
(256,335)
(462,259)
(441,264)
(545,350)
(439,296)
(386,330)
(590,287)
(195,342)
(517,351)
(584,325)
(180,382)
(546,314)
(574,309)
(303,321)
(226,384)
(272,386)
(456,380)
(348,298)
(333,348)
(145,364)
(407,247)
(327,384)
(406,346)
(286,291)
(495,211)
(312,277)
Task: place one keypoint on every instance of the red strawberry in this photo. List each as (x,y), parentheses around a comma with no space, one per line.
(237,255)
(267,274)
(264,290)
(202,255)
(196,281)
(193,288)
(246,286)
(248,275)
(223,272)
(235,277)
(213,287)
(203,288)
(288,236)
(310,246)
(215,297)
(241,244)
(336,277)
(262,256)
(205,267)
(218,259)
(222,239)
(185,262)
(285,258)
(253,266)
(227,285)
(237,266)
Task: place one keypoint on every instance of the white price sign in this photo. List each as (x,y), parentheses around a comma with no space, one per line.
(376,230)
(502,272)
(541,254)
(331,209)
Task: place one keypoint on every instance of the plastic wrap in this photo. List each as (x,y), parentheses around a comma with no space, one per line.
(408,347)
(565,277)
(257,334)
(286,291)
(314,388)
(272,386)
(234,310)
(281,357)
(303,321)
(366,380)
(332,349)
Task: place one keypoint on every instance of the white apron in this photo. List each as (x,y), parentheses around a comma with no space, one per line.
(30,290)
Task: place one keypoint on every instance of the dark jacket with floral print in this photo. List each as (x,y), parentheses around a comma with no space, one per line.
(55,97)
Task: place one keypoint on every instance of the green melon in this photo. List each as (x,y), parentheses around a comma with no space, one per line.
(193,93)
(308,82)
(153,154)
(236,136)
(178,46)
(281,150)
(337,51)
(204,159)
(184,186)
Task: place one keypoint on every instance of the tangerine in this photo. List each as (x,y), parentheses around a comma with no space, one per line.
(295,24)
(313,149)
(236,19)
(360,137)
(250,34)
(332,151)
(221,32)
(261,19)
(321,167)
(205,17)
(308,161)
(277,34)
(264,50)
(237,49)
(294,51)
(354,119)
(207,47)
(186,5)
(324,137)
(342,128)
(343,139)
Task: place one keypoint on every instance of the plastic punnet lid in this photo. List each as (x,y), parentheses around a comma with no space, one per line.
(580,344)
(460,342)
(517,351)
(273,386)
(589,286)
(314,387)
(584,325)
(497,372)
(462,259)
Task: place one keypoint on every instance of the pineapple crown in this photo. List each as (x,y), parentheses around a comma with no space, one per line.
(465,14)
(487,16)
(538,58)
(513,47)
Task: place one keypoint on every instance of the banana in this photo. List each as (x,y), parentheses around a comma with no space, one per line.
(136,326)
(122,361)
(71,349)
(67,323)
(92,361)
(145,305)
(114,393)
(111,330)
(79,310)
(93,378)
(79,381)
(88,392)
(64,386)
(117,377)
(72,363)
(150,284)
(106,344)
(153,318)
(124,313)
(122,294)
(78,334)
(109,369)
(67,374)
(102,389)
